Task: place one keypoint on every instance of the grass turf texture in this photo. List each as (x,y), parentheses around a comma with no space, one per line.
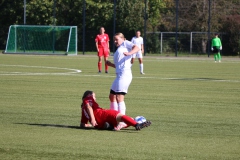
(193,104)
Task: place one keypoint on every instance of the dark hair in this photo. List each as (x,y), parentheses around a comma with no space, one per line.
(85,94)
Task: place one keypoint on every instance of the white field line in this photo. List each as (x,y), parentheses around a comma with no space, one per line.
(193,79)
(70,71)
(74,71)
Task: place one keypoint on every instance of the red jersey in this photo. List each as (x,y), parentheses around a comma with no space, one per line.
(101,115)
(102,40)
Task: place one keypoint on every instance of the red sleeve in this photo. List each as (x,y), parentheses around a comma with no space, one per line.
(108,38)
(85,117)
(96,39)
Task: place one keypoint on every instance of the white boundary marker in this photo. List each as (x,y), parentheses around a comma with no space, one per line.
(70,71)
(73,72)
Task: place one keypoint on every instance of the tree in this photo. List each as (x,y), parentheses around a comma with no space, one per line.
(130,16)
(11,13)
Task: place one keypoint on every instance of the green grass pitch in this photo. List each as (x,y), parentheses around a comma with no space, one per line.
(193,103)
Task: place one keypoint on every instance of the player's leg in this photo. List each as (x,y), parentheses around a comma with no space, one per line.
(219,56)
(141,65)
(124,81)
(100,55)
(113,101)
(126,119)
(215,57)
(120,101)
(133,57)
(117,101)
(139,55)
(106,55)
(106,66)
(119,89)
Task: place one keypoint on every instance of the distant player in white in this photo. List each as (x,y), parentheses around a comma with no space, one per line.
(138,40)
(122,64)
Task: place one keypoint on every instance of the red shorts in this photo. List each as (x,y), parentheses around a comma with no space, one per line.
(106,115)
(103,52)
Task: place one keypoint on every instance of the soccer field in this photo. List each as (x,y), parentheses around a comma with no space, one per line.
(193,103)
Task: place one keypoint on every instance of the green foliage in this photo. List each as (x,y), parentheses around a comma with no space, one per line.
(98,13)
(154,13)
(231,38)
(193,16)
(39,12)
(130,14)
(193,105)
(153,43)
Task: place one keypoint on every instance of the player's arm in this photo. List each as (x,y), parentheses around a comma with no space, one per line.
(142,46)
(84,120)
(132,40)
(90,113)
(110,64)
(135,49)
(97,46)
(96,40)
(85,125)
(108,46)
(220,44)
(212,45)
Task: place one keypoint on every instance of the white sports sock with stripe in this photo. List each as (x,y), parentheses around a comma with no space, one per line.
(114,106)
(122,107)
(141,68)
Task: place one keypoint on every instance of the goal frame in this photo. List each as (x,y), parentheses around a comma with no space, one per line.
(47,52)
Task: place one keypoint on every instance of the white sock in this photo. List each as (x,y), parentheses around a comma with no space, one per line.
(114,106)
(122,107)
(141,67)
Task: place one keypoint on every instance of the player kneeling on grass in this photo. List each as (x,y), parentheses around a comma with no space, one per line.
(103,118)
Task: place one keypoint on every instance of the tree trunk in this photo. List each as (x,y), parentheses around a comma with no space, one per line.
(204,46)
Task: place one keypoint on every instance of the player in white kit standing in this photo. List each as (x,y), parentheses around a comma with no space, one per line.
(138,40)
(122,64)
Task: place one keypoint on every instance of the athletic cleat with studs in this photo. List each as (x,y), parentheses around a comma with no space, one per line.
(142,73)
(139,126)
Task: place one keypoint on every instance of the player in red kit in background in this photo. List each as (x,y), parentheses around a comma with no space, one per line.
(99,117)
(102,45)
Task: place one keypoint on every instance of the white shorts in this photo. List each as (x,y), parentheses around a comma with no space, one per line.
(122,81)
(138,55)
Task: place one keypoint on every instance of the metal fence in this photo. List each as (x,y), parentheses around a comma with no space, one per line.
(187,43)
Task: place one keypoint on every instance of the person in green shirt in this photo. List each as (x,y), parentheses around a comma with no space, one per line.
(216,47)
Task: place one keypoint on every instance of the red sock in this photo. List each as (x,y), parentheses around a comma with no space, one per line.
(106,67)
(128,120)
(99,66)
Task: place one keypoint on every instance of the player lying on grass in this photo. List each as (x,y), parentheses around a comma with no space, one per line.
(103,118)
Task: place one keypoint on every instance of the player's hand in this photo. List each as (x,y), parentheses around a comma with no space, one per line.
(220,47)
(126,54)
(212,49)
(94,123)
(108,63)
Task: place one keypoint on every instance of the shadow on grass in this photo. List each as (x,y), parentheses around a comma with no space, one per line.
(56,126)
(73,127)
(198,79)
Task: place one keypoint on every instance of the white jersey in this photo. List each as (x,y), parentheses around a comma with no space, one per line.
(121,61)
(138,41)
